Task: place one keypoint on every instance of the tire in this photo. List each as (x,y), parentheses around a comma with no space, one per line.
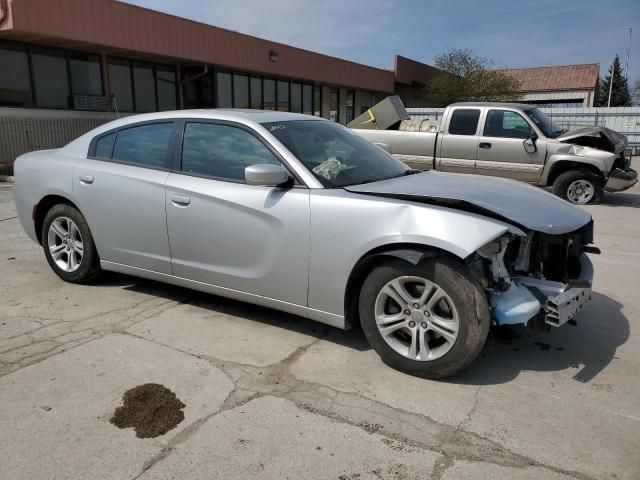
(569,186)
(440,357)
(76,259)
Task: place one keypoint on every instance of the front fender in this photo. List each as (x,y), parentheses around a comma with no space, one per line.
(346,226)
(603,162)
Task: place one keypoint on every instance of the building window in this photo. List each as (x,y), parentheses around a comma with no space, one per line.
(166,87)
(269,93)
(86,74)
(15,81)
(307,99)
(240,91)
(283,96)
(349,105)
(317,100)
(144,87)
(223,90)
(50,77)
(296,98)
(334,105)
(256,93)
(121,86)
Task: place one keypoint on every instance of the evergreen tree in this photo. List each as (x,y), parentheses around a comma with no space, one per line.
(620,96)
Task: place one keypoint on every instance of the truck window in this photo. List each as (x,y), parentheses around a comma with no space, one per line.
(464,121)
(506,124)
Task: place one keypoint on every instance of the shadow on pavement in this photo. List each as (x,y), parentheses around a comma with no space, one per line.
(621,199)
(588,347)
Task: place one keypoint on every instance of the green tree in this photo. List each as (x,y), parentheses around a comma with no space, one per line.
(468,77)
(620,96)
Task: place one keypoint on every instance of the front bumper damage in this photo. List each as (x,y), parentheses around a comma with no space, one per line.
(620,180)
(560,302)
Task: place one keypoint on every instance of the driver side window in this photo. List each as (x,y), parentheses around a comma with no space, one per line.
(506,124)
(222,151)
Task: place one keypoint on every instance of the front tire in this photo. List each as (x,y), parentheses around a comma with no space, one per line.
(579,187)
(429,320)
(68,245)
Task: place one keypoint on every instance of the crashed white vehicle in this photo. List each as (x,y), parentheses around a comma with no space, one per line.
(303,215)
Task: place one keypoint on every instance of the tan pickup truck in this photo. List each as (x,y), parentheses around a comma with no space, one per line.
(509,140)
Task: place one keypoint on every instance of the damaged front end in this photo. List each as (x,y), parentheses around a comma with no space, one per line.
(539,275)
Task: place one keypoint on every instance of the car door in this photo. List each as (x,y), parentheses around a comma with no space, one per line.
(458,145)
(501,151)
(120,191)
(226,233)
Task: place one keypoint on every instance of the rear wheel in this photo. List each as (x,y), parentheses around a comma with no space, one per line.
(68,244)
(579,187)
(429,320)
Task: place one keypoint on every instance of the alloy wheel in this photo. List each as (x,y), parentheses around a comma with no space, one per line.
(65,244)
(416,318)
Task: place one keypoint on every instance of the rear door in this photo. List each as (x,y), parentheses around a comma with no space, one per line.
(501,151)
(226,233)
(458,144)
(120,191)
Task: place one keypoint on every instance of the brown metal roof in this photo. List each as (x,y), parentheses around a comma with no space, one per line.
(565,77)
(119,28)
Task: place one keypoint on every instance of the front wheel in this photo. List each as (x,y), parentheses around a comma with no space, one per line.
(68,244)
(429,320)
(579,187)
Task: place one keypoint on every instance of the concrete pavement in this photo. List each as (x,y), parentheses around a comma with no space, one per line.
(270,395)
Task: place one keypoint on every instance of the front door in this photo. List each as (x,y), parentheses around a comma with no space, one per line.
(226,233)
(501,151)
(120,189)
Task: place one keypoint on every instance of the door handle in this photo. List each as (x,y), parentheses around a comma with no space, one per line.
(86,179)
(484,145)
(180,200)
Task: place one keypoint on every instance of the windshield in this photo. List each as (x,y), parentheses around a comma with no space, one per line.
(334,154)
(544,123)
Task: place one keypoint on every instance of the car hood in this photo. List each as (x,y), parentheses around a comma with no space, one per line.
(518,203)
(616,141)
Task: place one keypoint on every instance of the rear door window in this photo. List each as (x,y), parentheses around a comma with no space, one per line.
(144,145)
(464,121)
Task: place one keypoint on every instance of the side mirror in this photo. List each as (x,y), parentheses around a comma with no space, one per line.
(530,143)
(266,174)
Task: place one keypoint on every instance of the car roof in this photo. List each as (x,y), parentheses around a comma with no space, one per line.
(519,106)
(229,114)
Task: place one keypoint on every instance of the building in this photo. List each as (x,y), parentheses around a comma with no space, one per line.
(104,55)
(562,86)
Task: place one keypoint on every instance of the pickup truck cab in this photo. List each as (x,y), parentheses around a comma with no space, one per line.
(515,141)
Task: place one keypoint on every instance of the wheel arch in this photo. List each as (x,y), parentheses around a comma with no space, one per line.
(563,166)
(43,206)
(409,252)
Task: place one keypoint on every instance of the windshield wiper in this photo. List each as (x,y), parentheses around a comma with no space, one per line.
(411,171)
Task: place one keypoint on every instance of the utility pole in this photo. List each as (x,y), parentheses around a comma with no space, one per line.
(613,72)
(626,67)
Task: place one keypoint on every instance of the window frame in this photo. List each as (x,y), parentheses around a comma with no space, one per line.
(486,118)
(478,122)
(168,162)
(176,165)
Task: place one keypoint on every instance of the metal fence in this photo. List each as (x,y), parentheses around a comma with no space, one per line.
(625,120)
(24,130)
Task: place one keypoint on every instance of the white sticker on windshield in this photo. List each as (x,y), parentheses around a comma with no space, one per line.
(331,168)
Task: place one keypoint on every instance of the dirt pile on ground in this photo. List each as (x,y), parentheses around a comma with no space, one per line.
(151,409)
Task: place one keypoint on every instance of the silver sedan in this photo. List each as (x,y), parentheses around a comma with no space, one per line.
(300,214)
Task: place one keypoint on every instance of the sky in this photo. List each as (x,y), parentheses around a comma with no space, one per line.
(512,33)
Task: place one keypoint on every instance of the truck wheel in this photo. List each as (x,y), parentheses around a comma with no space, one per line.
(68,245)
(579,187)
(430,320)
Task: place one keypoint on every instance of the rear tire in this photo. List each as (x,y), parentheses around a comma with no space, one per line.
(448,325)
(579,187)
(68,245)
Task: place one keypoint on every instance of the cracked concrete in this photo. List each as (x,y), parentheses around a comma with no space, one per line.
(270,395)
